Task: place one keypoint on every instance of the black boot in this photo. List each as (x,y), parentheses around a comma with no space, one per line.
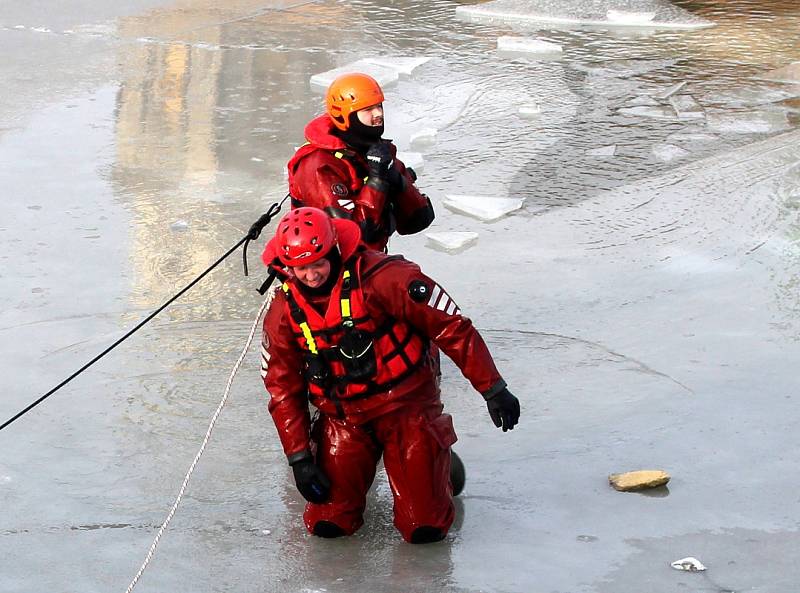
(327,529)
(458,474)
(426,535)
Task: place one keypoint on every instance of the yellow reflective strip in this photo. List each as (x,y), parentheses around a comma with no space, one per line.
(338,155)
(345,307)
(285,287)
(346,274)
(366,178)
(312,344)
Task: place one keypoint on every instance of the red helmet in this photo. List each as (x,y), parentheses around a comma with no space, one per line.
(304,235)
(349,93)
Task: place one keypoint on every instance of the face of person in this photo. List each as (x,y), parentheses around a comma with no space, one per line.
(371,116)
(314,274)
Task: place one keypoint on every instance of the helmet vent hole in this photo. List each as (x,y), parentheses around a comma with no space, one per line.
(296,231)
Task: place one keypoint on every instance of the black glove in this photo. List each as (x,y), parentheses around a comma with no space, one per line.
(504,409)
(379,161)
(311,481)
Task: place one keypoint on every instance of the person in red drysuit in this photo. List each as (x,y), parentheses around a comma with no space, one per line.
(347,169)
(355,333)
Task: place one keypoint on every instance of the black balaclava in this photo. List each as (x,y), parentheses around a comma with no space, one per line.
(361,136)
(326,287)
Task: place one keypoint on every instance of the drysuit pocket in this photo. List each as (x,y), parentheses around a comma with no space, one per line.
(442,429)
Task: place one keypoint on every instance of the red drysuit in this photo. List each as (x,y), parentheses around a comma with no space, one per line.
(327,174)
(397,412)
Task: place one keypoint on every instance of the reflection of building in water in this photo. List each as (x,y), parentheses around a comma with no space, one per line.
(209,108)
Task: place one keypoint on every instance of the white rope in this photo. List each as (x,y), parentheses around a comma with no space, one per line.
(236,366)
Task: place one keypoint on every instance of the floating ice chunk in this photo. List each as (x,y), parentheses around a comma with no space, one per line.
(384,75)
(648,111)
(691,138)
(686,107)
(642,100)
(609,150)
(754,122)
(527,45)
(529,111)
(453,241)
(256,159)
(669,152)
(755,96)
(401,65)
(266,531)
(179,226)
(486,208)
(669,91)
(414,160)
(790,73)
(629,18)
(689,563)
(423,136)
(665,14)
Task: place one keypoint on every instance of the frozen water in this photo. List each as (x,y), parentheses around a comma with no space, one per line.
(609,150)
(669,152)
(527,45)
(385,75)
(754,122)
(790,74)
(179,226)
(486,208)
(529,111)
(642,101)
(648,111)
(755,95)
(686,107)
(400,65)
(691,138)
(587,12)
(425,136)
(629,18)
(415,160)
(452,241)
(669,91)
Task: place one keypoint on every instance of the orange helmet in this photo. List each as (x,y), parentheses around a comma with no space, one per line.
(349,93)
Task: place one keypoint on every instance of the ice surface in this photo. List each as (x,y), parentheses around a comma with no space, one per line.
(452,241)
(648,111)
(790,73)
(691,138)
(609,150)
(414,160)
(423,136)
(529,111)
(668,92)
(179,226)
(642,100)
(486,208)
(755,95)
(669,152)
(385,75)
(754,122)
(588,12)
(686,107)
(401,65)
(527,45)
(629,18)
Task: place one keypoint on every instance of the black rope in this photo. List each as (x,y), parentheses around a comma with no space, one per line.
(252,234)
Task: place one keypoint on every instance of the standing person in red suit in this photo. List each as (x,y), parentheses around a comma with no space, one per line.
(356,333)
(348,170)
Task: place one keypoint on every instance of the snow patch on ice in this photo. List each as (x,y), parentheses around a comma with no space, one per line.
(669,152)
(527,45)
(452,241)
(606,13)
(485,208)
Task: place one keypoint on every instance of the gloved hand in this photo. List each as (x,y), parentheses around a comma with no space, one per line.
(311,481)
(379,161)
(503,409)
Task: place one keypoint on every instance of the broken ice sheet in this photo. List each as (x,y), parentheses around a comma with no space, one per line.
(383,74)
(669,152)
(527,45)
(423,137)
(669,91)
(628,17)
(649,111)
(413,160)
(689,563)
(754,122)
(789,73)
(529,111)
(609,150)
(401,65)
(452,241)
(686,107)
(485,208)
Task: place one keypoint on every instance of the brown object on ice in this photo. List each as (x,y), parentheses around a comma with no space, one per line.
(638,480)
